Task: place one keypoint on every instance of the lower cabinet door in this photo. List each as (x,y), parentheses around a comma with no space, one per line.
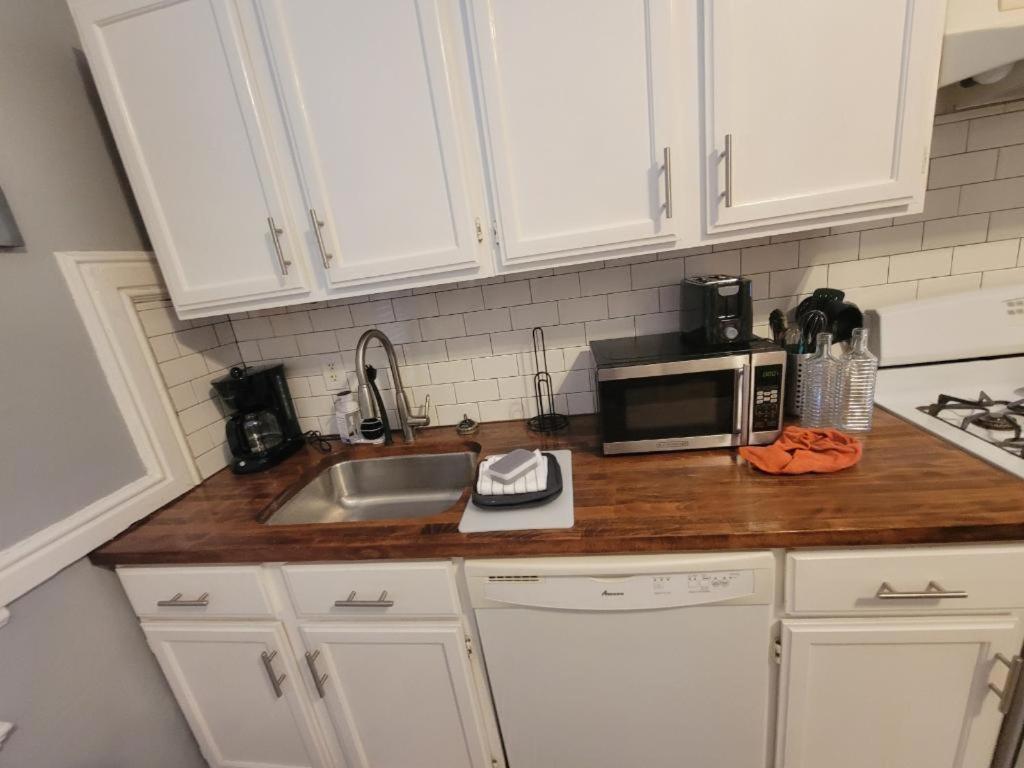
(892,693)
(240,690)
(401,695)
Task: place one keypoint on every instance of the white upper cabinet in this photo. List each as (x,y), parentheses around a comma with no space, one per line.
(176,82)
(575,100)
(913,693)
(817,109)
(287,151)
(378,100)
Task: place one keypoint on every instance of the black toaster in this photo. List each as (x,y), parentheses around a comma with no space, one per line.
(716,310)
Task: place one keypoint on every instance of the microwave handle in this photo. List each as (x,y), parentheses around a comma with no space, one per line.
(740,390)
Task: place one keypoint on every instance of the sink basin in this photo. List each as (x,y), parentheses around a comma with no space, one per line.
(382,488)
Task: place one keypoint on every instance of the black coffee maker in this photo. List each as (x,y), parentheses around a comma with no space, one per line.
(263,430)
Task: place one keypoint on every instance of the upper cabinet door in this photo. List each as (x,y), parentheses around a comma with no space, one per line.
(176,82)
(816,108)
(378,101)
(575,97)
(913,693)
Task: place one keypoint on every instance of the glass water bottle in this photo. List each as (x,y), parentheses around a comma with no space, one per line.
(819,381)
(858,369)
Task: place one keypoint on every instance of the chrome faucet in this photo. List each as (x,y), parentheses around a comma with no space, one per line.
(367,403)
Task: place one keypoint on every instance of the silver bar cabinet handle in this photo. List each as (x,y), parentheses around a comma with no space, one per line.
(275,235)
(318,226)
(668,182)
(275,680)
(318,679)
(176,602)
(351,602)
(1007,692)
(728,170)
(737,420)
(932,592)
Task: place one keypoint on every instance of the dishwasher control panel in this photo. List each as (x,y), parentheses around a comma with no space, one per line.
(718,584)
(622,593)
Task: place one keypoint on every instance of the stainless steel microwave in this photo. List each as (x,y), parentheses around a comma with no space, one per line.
(656,393)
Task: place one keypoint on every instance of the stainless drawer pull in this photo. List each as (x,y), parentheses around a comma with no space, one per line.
(668,182)
(728,171)
(932,592)
(351,602)
(275,680)
(1006,693)
(318,226)
(318,679)
(176,602)
(275,235)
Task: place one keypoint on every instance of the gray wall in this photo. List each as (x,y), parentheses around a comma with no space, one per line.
(57,175)
(75,673)
(80,682)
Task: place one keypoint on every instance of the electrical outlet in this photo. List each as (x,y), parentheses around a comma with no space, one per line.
(333,372)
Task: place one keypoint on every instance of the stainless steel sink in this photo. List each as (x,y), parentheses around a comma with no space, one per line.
(380,489)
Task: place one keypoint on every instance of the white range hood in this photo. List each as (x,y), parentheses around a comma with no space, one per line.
(981,35)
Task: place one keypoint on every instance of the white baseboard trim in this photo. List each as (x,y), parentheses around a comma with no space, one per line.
(103,286)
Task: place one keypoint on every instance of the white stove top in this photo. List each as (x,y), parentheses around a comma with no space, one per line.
(903,390)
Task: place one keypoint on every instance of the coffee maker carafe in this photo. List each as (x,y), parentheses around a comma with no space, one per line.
(263,430)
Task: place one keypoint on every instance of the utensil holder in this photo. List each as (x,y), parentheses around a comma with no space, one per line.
(794,382)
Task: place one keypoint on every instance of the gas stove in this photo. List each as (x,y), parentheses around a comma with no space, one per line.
(997,422)
(976,403)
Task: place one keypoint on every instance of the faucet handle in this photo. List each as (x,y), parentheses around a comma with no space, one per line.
(423,419)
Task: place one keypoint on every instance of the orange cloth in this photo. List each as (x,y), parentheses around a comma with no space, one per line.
(799,451)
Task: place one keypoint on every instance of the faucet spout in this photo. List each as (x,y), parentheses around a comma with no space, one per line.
(367,404)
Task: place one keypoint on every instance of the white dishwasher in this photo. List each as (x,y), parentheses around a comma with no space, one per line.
(629,662)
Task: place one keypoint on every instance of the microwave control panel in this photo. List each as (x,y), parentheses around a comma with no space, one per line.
(767,398)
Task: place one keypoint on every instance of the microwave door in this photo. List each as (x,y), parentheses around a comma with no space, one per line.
(674,406)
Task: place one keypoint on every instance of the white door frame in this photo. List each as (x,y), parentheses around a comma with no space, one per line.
(105,287)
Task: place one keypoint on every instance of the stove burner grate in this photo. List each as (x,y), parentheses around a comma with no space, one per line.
(984,413)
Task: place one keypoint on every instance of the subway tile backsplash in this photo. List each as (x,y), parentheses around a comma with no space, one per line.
(469,346)
(190,354)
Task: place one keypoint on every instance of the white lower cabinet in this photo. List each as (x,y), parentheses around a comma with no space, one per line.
(890,658)
(888,692)
(400,694)
(371,686)
(239,687)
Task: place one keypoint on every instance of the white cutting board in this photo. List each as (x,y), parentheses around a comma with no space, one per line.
(557,513)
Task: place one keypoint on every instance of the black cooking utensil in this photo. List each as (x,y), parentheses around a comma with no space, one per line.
(843,317)
(818,300)
(777,322)
(813,322)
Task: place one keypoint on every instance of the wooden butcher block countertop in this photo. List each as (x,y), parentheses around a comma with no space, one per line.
(909,488)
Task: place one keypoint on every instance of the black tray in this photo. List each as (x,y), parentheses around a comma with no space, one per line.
(553,489)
